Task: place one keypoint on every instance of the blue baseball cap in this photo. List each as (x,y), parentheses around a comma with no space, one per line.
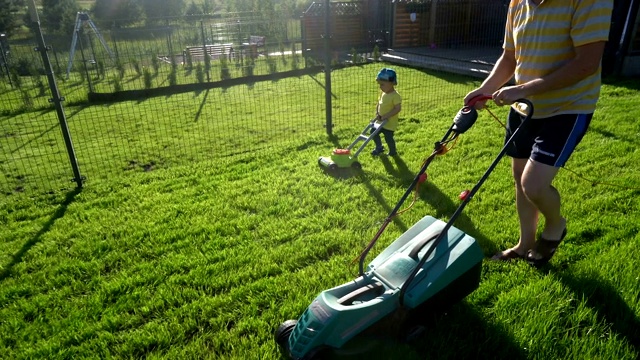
(387,74)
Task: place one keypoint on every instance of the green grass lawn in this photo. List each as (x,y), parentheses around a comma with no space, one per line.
(205,261)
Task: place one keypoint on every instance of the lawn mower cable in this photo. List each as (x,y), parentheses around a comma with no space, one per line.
(440,149)
(462,122)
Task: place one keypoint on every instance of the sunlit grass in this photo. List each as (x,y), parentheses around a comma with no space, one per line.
(205,261)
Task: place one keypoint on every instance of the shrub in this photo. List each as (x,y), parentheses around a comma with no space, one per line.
(272,65)
(188,60)
(376,53)
(117,83)
(155,63)
(295,60)
(120,68)
(147,76)
(200,73)
(173,76)
(224,69)
(136,66)
(26,99)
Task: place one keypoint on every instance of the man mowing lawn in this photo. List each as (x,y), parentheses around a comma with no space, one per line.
(554,50)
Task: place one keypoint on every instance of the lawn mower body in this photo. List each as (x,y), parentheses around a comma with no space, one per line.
(338,314)
(345,158)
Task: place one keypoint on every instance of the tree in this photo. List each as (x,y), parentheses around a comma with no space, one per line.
(168,8)
(193,9)
(9,21)
(117,12)
(59,16)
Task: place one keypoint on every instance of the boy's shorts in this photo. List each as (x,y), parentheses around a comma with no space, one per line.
(550,140)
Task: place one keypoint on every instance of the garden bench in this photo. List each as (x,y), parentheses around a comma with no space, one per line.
(214,51)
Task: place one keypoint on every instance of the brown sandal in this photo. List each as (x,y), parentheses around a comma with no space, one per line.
(508,256)
(546,249)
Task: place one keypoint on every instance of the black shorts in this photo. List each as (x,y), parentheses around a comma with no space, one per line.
(550,140)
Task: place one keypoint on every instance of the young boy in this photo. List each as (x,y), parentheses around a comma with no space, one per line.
(389,105)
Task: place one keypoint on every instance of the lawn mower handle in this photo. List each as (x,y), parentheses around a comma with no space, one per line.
(468,198)
(472,102)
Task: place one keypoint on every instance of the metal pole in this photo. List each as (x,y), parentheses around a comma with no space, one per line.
(327,66)
(56,99)
(84,61)
(207,63)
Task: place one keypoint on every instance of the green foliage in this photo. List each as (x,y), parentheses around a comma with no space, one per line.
(376,53)
(27,100)
(247,70)
(120,68)
(224,69)
(272,64)
(193,9)
(355,56)
(116,81)
(8,21)
(59,16)
(189,61)
(39,83)
(295,59)
(83,74)
(156,12)
(200,73)
(148,77)
(16,79)
(136,66)
(173,76)
(101,69)
(155,63)
(117,13)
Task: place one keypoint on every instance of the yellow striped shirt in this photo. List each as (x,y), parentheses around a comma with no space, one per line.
(544,36)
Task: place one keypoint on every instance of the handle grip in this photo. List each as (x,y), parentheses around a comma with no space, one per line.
(477,98)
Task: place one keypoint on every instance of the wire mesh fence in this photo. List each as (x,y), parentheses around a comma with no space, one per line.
(194,90)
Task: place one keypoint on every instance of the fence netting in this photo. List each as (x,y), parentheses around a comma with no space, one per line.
(201,89)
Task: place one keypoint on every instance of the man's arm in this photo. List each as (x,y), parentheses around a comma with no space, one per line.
(501,73)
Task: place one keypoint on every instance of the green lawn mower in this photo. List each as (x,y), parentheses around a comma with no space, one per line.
(343,158)
(430,266)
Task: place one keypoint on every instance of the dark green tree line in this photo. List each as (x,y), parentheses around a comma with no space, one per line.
(9,18)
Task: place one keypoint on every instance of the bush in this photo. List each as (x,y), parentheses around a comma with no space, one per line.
(376,53)
(225,74)
(188,61)
(136,66)
(200,73)
(155,63)
(147,77)
(117,83)
(27,100)
(173,76)
(272,65)
(120,68)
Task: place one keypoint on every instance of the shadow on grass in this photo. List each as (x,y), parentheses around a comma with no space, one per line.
(204,101)
(606,302)
(444,207)
(17,257)
(459,333)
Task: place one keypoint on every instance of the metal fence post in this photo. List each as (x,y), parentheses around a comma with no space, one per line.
(56,99)
(327,66)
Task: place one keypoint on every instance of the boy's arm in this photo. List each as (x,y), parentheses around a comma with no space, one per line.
(396,109)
